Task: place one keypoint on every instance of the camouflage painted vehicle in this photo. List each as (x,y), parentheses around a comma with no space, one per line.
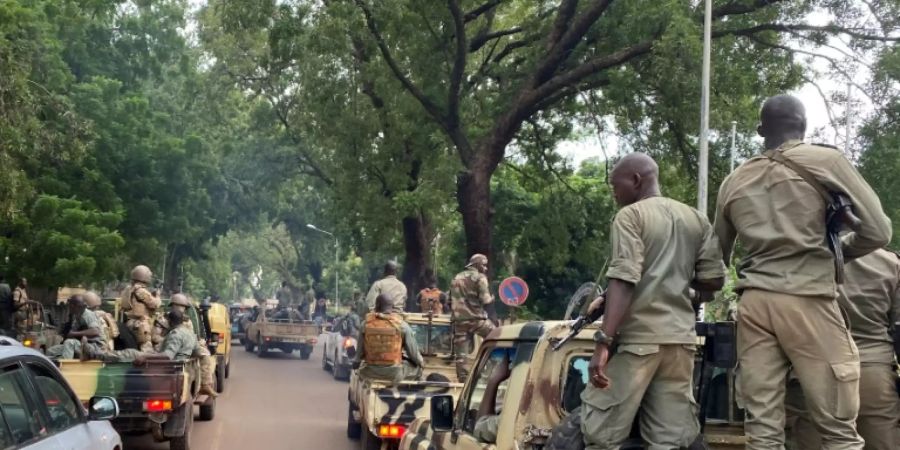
(380,413)
(285,332)
(157,398)
(543,388)
(39,334)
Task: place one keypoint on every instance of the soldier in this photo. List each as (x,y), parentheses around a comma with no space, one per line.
(20,300)
(431,299)
(84,335)
(390,286)
(469,295)
(383,340)
(788,315)
(108,326)
(871,297)
(310,302)
(179,344)
(283,295)
(162,328)
(661,249)
(140,307)
(7,311)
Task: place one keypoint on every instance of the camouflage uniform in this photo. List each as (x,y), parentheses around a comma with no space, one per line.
(207,361)
(71,348)
(140,306)
(178,345)
(393,288)
(20,298)
(469,294)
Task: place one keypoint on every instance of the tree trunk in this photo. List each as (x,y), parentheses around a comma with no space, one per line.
(473,193)
(416,230)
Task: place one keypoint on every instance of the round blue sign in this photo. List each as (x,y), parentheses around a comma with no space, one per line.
(513,291)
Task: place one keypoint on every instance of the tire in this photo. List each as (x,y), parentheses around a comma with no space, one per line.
(248,345)
(325,366)
(305,352)
(370,441)
(208,409)
(354,428)
(220,378)
(261,349)
(228,370)
(183,442)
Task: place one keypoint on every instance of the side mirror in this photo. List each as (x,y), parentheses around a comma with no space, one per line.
(442,413)
(103,408)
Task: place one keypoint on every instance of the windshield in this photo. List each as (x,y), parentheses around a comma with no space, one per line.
(441,338)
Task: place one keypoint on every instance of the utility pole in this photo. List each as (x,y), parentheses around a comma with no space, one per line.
(733,138)
(848,121)
(702,191)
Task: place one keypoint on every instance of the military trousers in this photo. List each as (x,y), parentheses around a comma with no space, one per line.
(71,349)
(655,379)
(777,332)
(462,330)
(142,330)
(879,411)
(207,364)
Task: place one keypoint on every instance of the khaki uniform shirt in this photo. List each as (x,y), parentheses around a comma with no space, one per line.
(469,293)
(20,297)
(87,321)
(780,220)
(661,246)
(390,286)
(143,303)
(179,344)
(871,296)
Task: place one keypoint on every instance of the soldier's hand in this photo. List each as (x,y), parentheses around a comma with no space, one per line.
(597,366)
(501,372)
(596,304)
(140,361)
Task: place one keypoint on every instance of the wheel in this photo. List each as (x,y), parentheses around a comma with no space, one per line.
(305,352)
(183,442)
(325,366)
(228,369)
(354,428)
(370,441)
(248,345)
(220,378)
(261,348)
(208,409)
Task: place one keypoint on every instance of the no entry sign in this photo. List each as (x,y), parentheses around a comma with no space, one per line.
(513,291)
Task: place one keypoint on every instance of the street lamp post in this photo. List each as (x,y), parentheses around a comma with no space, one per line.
(337,298)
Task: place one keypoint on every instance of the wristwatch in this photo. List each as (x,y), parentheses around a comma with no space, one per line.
(601,338)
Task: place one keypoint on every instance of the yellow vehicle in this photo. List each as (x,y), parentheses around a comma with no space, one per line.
(220,325)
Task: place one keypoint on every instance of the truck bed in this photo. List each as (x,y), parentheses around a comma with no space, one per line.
(396,404)
(130,385)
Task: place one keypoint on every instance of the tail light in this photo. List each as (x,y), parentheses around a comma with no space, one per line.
(157,405)
(221,337)
(28,343)
(391,431)
(349,342)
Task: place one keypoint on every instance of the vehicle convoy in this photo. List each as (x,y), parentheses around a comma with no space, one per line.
(381,412)
(337,347)
(220,333)
(544,387)
(39,334)
(55,419)
(281,329)
(156,398)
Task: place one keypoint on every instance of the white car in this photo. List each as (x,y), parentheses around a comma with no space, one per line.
(39,410)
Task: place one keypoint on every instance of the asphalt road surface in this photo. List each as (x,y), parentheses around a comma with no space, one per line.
(275,403)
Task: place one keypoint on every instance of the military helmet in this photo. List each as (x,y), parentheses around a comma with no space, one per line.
(142,274)
(91,299)
(477,258)
(180,300)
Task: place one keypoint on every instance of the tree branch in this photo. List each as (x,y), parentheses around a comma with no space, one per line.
(742,7)
(785,27)
(429,105)
(459,64)
(509,48)
(559,51)
(482,39)
(475,13)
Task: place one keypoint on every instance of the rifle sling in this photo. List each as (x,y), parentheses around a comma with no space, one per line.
(779,157)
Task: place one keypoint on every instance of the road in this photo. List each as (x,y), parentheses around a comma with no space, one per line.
(275,403)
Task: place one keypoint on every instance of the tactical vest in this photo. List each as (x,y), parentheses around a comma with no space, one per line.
(430,300)
(383,340)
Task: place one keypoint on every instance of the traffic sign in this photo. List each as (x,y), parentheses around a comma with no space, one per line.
(513,291)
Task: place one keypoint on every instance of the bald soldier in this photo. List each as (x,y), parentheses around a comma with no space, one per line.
(871,297)
(661,249)
(469,295)
(390,286)
(788,314)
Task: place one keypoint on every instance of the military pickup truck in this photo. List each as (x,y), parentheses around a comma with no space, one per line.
(544,386)
(282,329)
(380,413)
(39,334)
(157,398)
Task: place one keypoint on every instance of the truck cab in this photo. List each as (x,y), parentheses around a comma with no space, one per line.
(544,386)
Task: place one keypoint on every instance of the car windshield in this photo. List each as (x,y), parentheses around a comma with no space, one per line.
(441,338)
